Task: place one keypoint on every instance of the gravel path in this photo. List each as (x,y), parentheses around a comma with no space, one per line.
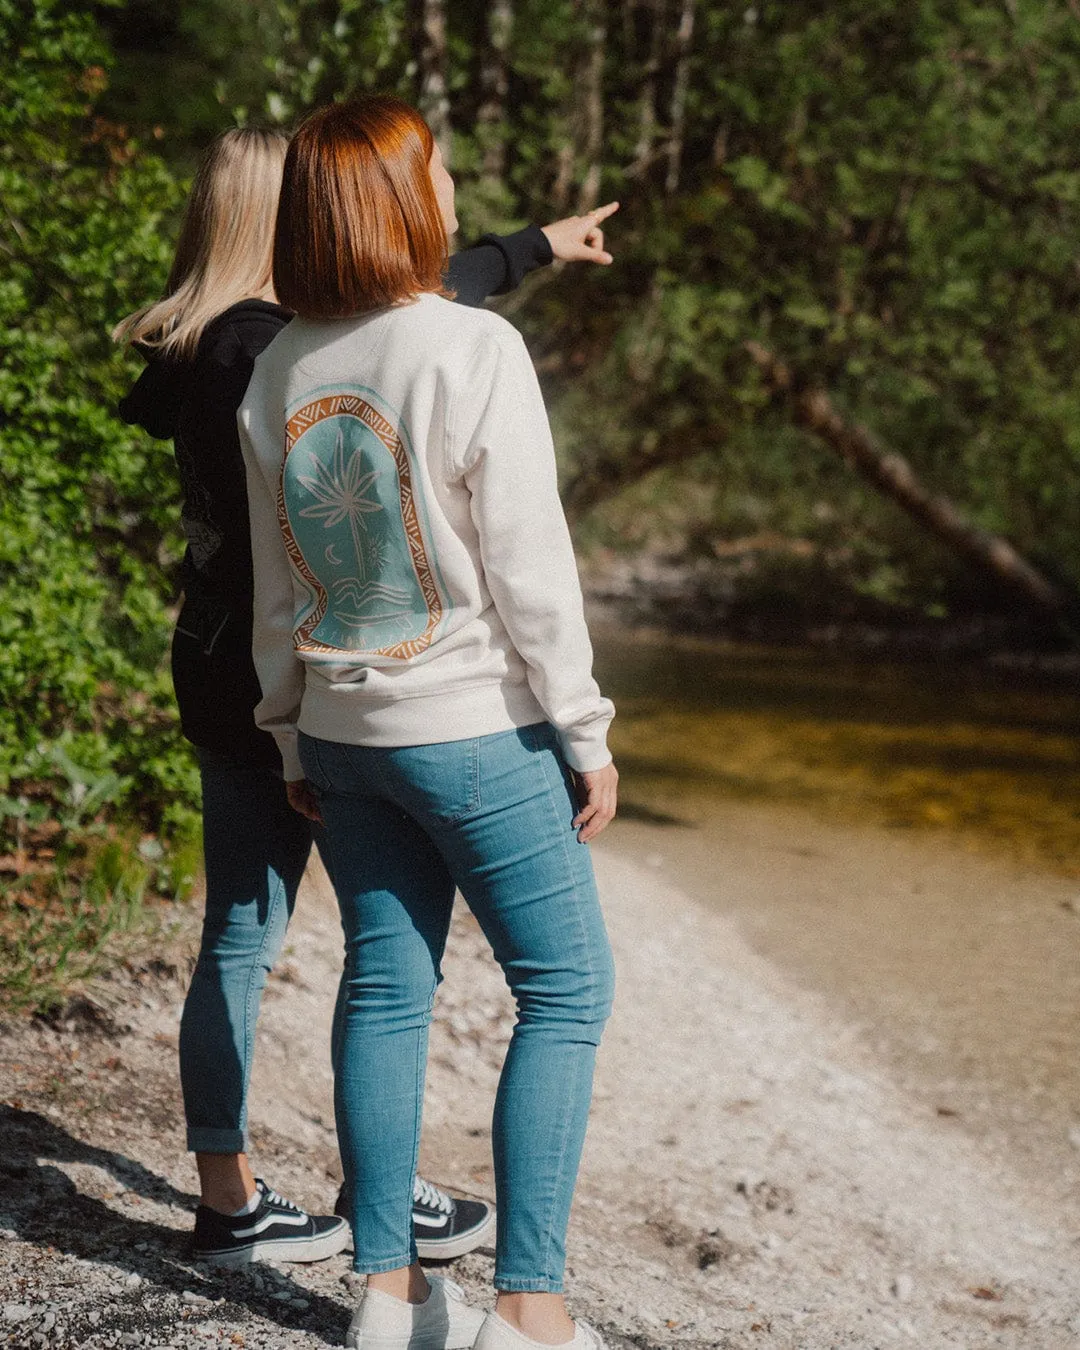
(752,1178)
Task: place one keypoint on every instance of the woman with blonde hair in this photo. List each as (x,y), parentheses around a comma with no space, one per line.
(426,673)
(201,340)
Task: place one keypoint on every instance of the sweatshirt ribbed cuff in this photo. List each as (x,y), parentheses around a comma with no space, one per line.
(586,750)
(292,769)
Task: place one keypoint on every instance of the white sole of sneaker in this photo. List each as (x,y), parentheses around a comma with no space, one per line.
(419,1340)
(299,1253)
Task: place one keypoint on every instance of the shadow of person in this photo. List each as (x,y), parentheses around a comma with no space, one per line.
(27,1136)
(45,1207)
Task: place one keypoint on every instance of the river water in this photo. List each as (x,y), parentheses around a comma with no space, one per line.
(903,840)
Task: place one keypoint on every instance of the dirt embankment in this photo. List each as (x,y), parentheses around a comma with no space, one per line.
(752,1177)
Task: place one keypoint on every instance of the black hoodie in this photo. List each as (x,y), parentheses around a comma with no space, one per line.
(194,402)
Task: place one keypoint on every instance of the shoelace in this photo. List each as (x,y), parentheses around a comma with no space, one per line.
(278,1201)
(424,1193)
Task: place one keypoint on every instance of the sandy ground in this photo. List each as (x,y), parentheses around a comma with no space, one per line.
(754,1175)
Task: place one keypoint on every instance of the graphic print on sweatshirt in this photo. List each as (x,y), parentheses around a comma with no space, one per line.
(349,515)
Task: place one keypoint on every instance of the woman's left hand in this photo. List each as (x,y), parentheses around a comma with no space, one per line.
(302,798)
(598,793)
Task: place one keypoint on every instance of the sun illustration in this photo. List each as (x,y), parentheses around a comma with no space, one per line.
(339,493)
(377,553)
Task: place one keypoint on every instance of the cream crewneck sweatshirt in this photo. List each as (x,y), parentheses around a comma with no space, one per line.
(414,576)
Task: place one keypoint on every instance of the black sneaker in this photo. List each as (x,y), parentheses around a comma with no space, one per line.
(444,1227)
(277,1231)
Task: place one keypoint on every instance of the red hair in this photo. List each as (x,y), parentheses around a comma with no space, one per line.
(358,224)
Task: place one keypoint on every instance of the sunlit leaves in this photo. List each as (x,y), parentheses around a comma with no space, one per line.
(87,505)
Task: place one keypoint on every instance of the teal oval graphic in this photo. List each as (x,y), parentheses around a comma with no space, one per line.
(348,505)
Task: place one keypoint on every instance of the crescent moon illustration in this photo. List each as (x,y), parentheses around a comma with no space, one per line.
(331,557)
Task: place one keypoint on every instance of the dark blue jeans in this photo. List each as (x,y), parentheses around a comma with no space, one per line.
(492,817)
(256,848)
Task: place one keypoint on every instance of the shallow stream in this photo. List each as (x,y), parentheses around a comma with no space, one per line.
(903,840)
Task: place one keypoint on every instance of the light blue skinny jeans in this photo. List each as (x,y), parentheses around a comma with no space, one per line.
(491,816)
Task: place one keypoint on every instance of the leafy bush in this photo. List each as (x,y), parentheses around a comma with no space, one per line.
(88,507)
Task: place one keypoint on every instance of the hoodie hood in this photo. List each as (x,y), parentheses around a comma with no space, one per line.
(238,333)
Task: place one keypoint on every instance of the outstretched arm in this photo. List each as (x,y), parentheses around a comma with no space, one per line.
(498,263)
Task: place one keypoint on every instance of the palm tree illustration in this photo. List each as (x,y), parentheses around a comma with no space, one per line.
(339,493)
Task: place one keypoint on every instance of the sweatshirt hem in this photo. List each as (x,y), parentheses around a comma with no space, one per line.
(429,719)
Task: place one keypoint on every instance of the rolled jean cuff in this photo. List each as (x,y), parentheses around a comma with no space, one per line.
(378,1267)
(204,1139)
(508,1285)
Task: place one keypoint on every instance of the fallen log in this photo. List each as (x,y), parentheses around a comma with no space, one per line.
(889,472)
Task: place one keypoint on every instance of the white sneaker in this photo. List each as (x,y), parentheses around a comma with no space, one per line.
(496,1334)
(443,1322)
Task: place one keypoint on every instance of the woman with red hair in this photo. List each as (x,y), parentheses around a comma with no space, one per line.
(426,673)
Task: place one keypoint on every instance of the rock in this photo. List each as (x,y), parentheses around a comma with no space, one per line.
(17,1312)
(300,1304)
(133,1281)
(193,1299)
(1074,1136)
(903,1286)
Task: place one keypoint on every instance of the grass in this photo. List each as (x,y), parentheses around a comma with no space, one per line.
(65,922)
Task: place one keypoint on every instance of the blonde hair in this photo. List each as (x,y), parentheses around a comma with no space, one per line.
(225,250)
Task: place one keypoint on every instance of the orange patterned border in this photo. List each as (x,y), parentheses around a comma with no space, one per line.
(351,405)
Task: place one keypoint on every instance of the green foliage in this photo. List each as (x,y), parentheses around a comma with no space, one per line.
(88,514)
(887,196)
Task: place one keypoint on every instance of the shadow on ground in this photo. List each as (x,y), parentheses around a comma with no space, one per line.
(42,1205)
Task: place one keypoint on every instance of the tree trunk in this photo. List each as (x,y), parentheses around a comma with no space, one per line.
(679,92)
(592,108)
(434,99)
(584,128)
(892,475)
(494,85)
(643,150)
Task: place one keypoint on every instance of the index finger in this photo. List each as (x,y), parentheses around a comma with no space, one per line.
(602,212)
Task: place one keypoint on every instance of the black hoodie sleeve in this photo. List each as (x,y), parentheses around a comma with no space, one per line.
(497,263)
